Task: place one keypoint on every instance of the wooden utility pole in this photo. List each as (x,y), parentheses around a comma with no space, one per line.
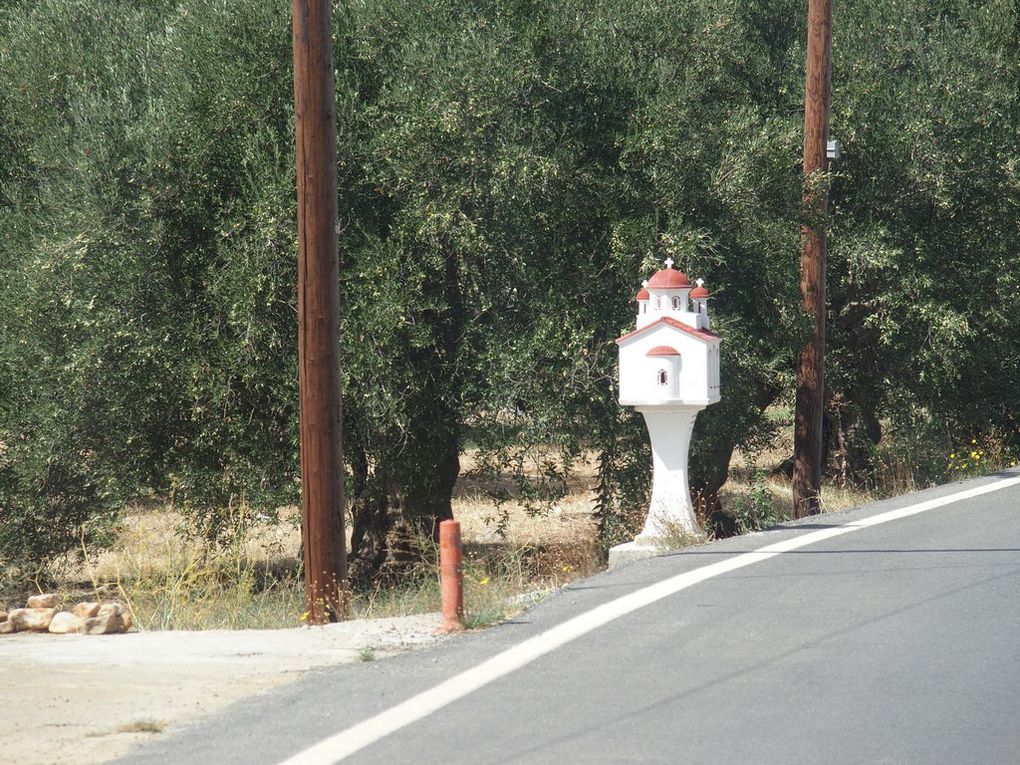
(807,449)
(322,497)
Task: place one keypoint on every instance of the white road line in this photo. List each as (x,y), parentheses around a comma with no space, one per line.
(345,743)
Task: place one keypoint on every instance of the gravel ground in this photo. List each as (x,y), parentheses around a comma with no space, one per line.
(66,697)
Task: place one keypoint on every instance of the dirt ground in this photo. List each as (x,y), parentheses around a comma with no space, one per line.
(77,698)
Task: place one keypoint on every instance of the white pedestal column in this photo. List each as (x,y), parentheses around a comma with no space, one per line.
(670,510)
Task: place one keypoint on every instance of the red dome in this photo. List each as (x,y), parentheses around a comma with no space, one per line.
(642,294)
(663,350)
(699,293)
(669,279)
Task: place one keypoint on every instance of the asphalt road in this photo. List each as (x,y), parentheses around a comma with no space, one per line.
(894,643)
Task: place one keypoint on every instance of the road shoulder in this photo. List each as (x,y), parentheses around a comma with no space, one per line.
(91,699)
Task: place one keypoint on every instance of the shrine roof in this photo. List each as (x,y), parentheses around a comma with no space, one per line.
(704,335)
(669,279)
(663,350)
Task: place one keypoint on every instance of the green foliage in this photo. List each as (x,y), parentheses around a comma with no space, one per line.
(507,173)
(52,501)
(148,257)
(79,394)
(756,509)
(924,311)
(969,460)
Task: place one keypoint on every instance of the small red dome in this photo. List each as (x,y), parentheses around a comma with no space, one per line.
(642,294)
(669,279)
(699,293)
(663,350)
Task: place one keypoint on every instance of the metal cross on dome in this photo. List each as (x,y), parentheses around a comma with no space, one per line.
(669,262)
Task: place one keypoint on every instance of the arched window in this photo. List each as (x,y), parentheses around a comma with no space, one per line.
(658,302)
(663,377)
(644,308)
(676,302)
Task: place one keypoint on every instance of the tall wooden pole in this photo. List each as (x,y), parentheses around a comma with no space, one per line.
(322,498)
(807,450)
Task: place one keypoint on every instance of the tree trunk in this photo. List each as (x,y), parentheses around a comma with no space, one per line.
(706,481)
(710,469)
(853,430)
(400,506)
(436,456)
(376,517)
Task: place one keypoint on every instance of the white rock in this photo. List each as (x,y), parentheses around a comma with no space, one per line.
(86,610)
(102,625)
(65,622)
(110,609)
(7,627)
(46,600)
(35,619)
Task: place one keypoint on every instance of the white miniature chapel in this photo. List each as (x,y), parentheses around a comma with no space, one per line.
(669,371)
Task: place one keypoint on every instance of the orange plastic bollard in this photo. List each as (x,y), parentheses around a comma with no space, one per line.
(451,576)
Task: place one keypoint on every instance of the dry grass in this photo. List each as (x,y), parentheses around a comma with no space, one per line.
(172,581)
(764,466)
